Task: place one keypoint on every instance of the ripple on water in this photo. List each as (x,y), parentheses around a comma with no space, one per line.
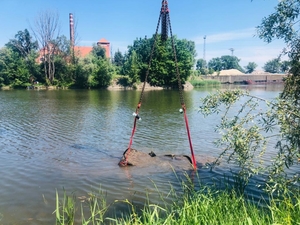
(73,140)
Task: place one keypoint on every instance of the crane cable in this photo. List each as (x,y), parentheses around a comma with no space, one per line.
(182,99)
(141,97)
(164,12)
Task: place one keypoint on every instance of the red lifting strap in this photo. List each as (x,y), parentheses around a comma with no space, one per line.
(167,22)
(189,137)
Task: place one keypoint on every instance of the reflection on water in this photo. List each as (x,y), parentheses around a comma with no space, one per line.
(73,139)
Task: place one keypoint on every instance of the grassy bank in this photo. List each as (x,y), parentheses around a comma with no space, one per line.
(205,206)
(203,83)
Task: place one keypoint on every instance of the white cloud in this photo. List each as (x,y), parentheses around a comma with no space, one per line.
(225,36)
(246,47)
(259,54)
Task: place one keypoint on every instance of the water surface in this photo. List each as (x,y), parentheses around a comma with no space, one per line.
(74,139)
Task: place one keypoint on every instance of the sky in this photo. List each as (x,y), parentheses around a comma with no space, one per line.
(227,24)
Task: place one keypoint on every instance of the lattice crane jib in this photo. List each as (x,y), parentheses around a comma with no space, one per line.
(164,14)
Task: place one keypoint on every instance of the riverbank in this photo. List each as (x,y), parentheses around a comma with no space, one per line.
(113,86)
(208,205)
(116,86)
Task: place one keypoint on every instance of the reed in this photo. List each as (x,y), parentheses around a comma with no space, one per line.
(208,205)
(65,209)
(203,83)
(96,209)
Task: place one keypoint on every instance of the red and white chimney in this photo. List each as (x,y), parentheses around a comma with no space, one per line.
(72,41)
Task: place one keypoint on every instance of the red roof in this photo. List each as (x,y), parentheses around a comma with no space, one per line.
(103,40)
(82,51)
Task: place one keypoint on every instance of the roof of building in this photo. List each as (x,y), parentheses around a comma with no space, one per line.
(82,51)
(228,72)
(103,40)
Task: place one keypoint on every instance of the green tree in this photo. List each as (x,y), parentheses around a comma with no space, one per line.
(201,67)
(216,64)
(142,47)
(6,65)
(186,54)
(244,135)
(132,68)
(163,69)
(285,66)
(64,69)
(118,61)
(225,62)
(103,73)
(283,24)
(63,46)
(13,69)
(273,66)
(18,66)
(98,52)
(84,72)
(101,69)
(250,67)
(63,72)
(23,44)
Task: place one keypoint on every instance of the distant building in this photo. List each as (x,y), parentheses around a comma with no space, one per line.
(83,51)
(50,49)
(79,51)
(106,45)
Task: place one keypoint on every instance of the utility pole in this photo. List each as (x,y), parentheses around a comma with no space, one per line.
(232,50)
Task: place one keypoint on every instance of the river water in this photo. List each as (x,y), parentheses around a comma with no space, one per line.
(73,140)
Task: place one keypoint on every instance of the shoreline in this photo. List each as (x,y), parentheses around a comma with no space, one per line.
(112,87)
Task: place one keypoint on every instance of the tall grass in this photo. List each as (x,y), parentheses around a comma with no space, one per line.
(65,209)
(208,205)
(96,209)
(203,83)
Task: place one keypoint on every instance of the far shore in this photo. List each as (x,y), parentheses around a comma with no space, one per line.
(186,86)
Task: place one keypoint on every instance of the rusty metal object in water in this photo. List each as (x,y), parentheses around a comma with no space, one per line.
(141,159)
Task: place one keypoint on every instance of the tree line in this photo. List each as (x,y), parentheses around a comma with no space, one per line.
(226,62)
(46,57)
(22,63)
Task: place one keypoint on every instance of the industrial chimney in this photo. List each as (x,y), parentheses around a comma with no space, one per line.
(72,41)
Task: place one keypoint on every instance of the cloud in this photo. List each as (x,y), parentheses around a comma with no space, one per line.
(225,36)
(247,47)
(260,54)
